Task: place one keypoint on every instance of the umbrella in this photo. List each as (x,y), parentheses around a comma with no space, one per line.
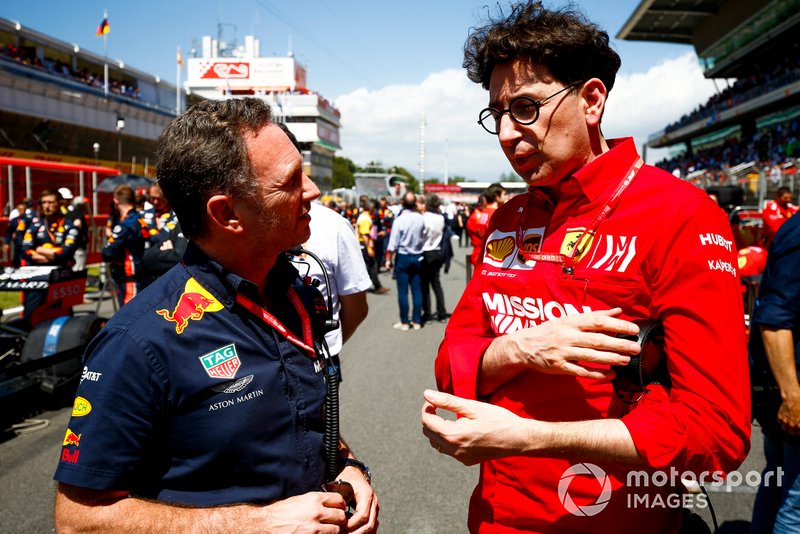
(134,180)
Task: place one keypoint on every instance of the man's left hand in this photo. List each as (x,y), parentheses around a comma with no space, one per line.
(789,417)
(482,432)
(365,518)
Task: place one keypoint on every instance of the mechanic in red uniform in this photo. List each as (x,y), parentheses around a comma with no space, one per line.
(599,240)
(777,212)
(492,197)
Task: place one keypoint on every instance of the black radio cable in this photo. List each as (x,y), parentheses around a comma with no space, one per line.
(331,438)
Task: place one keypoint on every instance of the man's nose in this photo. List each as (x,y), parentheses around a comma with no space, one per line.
(310,189)
(507,129)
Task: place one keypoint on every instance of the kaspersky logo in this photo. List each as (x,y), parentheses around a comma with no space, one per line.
(192,304)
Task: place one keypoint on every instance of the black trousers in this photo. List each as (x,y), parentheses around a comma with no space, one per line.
(372,268)
(431,267)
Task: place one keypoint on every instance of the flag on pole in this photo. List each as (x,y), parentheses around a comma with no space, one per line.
(103,28)
(180,57)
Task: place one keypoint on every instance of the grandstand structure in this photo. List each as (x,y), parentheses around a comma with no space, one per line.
(224,69)
(62,104)
(746,135)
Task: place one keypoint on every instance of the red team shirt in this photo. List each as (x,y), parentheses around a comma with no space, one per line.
(477,224)
(665,252)
(774,216)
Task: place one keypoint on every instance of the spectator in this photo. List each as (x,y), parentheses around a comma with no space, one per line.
(436,233)
(405,244)
(367,233)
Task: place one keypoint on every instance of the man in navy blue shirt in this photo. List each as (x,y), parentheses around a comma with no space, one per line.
(774,348)
(201,405)
(125,246)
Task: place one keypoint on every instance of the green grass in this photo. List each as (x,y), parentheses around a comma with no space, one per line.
(9,299)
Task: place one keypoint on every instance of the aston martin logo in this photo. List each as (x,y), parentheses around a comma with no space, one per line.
(234,387)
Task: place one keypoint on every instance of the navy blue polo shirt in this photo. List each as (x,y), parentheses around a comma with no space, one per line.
(188,398)
(778,303)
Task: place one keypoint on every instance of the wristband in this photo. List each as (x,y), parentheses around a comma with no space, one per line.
(352,462)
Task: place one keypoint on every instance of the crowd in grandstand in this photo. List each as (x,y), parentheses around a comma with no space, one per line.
(770,146)
(28,56)
(785,71)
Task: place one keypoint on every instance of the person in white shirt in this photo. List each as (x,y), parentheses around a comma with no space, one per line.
(432,260)
(334,241)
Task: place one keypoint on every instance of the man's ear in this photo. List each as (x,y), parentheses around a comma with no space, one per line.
(594,95)
(221,213)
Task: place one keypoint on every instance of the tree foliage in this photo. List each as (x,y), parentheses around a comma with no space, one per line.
(413,184)
(343,173)
(510,177)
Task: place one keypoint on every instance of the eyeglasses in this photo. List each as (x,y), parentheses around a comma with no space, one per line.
(522,110)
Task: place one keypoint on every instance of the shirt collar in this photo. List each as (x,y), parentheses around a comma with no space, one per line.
(224,284)
(605,171)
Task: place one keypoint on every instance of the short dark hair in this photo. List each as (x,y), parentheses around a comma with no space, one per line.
(495,191)
(125,195)
(571,47)
(782,191)
(51,193)
(203,153)
(432,203)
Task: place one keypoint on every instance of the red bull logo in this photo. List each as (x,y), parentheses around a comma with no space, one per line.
(71,438)
(69,456)
(193,303)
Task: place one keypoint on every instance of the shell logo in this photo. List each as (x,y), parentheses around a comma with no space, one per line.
(499,249)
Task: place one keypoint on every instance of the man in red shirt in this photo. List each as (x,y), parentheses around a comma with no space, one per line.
(492,197)
(599,241)
(777,212)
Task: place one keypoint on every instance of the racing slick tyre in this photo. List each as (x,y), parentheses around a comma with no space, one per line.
(55,336)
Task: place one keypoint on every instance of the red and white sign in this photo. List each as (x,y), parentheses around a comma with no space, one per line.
(225,70)
(442,188)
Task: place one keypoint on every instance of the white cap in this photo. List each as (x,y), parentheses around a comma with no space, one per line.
(66,194)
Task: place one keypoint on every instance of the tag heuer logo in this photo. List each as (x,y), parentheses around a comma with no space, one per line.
(222,363)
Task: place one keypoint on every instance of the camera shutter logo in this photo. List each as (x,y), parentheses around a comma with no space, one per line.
(602,480)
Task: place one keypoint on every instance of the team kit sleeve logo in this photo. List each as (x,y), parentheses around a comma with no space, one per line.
(193,303)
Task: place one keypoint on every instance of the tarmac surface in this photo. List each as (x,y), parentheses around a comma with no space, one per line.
(385,372)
